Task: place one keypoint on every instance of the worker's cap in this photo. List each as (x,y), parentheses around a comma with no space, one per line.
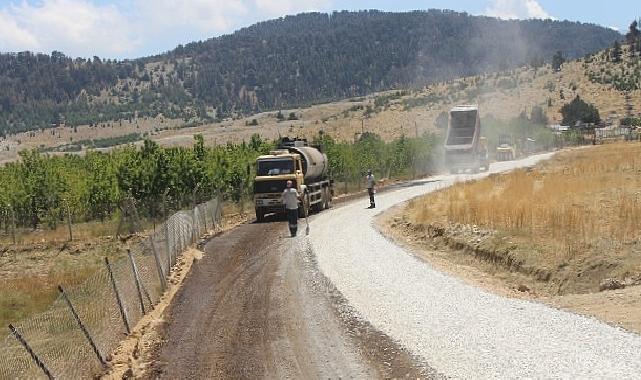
(289,183)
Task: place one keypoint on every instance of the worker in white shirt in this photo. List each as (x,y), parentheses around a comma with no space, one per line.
(370,188)
(290,199)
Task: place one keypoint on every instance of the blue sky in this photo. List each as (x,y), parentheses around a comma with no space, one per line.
(134,28)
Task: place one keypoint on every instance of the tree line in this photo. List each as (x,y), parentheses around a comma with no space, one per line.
(37,191)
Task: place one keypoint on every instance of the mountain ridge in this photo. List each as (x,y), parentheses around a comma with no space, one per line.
(281,63)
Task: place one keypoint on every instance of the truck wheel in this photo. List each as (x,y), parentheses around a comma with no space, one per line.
(260,215)
(323,200)
(318,206)
(328,198)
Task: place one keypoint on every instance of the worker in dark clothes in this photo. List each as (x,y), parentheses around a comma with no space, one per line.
(370,188)
(290,199)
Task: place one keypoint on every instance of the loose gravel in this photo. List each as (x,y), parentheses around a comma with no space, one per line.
(459,330)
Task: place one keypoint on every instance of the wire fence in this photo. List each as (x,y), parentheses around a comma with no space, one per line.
(75,336)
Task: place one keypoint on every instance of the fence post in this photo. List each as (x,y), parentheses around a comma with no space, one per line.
(123,313)
(193,196)
(170,258)
(13,224)
(134,269)
(146,293)
(205,216)
(193,225)
(177,236)
(161,274)
(219,209)
(128,211)
(164,203)
(69,220)
(181,236)
(194,207)
(82,326)
(242,198)
(214,206)
(214,210)
(33,355)
(134,208)
(197,223)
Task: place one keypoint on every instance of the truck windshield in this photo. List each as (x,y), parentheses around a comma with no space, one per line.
(275,167)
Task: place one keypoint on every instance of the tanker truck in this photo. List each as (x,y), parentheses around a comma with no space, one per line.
(294,160)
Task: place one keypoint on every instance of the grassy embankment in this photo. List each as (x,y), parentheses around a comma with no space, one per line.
(567,224)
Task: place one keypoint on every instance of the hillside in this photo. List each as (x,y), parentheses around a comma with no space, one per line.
(283,63)
(502,97)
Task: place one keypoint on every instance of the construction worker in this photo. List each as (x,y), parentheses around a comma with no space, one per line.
(370,188)
(290,199)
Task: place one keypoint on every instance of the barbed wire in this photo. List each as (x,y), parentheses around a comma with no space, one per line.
(111,301)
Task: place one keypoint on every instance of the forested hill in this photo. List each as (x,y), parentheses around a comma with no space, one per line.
(281,63)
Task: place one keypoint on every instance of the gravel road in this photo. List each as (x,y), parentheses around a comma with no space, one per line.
(460,330)
(255,306)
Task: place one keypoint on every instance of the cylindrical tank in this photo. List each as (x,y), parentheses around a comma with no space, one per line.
(314,162)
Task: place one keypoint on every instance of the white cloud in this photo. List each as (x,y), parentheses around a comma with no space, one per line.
(72,26)
(14,37)
(517,9)
(213,16)
(132,27)
(276,8)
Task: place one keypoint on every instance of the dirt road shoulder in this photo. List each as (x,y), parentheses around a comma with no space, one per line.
(620,307)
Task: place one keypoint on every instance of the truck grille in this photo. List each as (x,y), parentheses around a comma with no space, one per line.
(262,187)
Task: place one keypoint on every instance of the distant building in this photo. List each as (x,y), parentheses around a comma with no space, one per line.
(559,128)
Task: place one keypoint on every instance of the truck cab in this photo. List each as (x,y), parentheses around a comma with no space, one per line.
(294,161)
(505,150)
(272,173)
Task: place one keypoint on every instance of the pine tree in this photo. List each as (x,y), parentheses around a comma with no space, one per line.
(616,52)
(558,60)
(633,33)
(579,111)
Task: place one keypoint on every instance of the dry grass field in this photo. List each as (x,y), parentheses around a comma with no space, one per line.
(31,269)
(579,198)
(30,272)
(569,223)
